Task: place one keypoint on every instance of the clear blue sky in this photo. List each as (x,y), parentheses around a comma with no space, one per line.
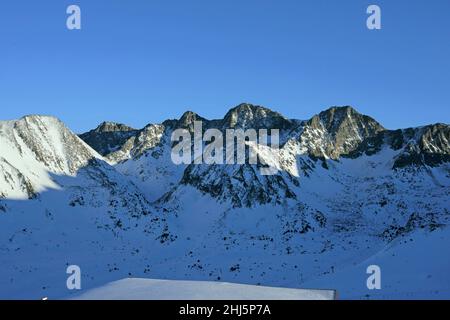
(143,61)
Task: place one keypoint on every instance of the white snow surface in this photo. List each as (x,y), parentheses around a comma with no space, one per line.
(151,289)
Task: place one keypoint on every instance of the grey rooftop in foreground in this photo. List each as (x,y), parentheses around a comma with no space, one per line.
(149,289)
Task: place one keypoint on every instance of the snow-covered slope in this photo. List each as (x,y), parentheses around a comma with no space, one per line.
(149,289)
(347,190)
(32,149)
(414,266)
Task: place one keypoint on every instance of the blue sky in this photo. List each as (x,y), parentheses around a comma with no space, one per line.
(144,61)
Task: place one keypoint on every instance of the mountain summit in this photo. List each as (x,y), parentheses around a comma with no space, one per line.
(248,116)
(338,131)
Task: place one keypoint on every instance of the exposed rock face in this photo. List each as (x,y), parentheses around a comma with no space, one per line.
(428,145)
(419,147)
(338,131)
(240,184)
(108,137)
(186,121)
(247,116)
(112,127)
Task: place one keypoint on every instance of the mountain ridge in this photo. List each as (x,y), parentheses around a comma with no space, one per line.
(325,120)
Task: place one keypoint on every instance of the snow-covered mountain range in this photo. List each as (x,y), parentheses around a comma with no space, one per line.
(348,193)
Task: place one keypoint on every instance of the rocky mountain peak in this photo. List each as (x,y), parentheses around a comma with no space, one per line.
(338,131)
(247,116)
(108,137)
(44,142)
(187,120)
(335,119)
(108,126)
